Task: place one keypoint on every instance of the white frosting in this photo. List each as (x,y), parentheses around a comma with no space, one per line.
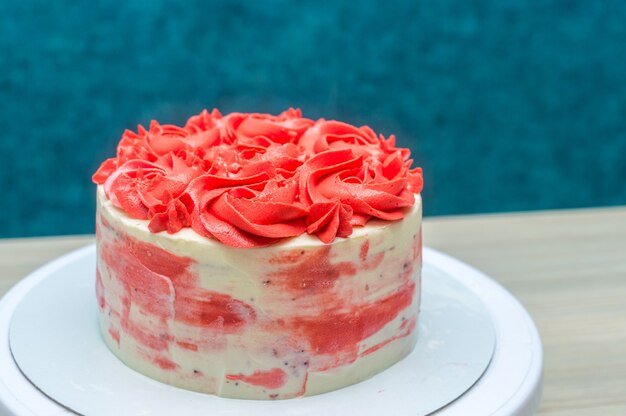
(381,252)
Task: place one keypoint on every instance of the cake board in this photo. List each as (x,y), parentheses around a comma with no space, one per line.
(510,385)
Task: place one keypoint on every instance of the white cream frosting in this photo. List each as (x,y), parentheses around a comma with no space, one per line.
(381,252)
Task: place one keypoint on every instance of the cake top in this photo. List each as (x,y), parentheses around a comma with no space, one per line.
(249,180)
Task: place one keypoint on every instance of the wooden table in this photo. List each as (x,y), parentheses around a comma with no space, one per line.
(567,267)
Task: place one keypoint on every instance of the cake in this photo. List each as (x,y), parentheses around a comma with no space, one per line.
(258,256)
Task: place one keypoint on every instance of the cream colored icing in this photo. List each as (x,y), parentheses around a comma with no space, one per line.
(392,260)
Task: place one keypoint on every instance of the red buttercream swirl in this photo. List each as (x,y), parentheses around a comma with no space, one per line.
(249,180)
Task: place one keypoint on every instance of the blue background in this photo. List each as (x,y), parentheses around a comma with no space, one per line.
(508,105)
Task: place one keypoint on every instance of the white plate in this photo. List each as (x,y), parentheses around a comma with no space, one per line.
(55,340)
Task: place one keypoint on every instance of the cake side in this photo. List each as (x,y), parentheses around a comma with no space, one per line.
(295,318)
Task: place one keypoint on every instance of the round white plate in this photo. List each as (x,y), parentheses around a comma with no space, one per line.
(55,340)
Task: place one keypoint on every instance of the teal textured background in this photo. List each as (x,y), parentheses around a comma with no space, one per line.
(508,105)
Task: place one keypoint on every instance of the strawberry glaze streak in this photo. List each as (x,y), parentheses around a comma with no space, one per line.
(310,271)
(271,379)
(249,180)
(408,326)
(338,329)
(99,290)
(164,286)
(342,331)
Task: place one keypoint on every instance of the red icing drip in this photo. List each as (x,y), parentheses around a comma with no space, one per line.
(310,270)
(249,180)
(271,379)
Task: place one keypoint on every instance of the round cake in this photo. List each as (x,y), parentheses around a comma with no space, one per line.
(257,256)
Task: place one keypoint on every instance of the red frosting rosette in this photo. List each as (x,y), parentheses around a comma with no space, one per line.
(249,180)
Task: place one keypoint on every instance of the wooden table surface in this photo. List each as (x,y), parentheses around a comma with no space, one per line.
(567,267)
